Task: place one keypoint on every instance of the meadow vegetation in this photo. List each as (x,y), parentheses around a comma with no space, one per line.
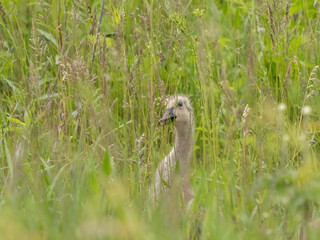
(82,89)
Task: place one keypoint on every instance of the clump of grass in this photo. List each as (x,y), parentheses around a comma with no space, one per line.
(83,84)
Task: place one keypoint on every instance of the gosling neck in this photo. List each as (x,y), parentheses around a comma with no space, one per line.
(183,146)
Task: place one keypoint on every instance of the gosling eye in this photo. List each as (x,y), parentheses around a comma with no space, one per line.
(180,104)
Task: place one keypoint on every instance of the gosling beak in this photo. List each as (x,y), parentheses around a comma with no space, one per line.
(168,115)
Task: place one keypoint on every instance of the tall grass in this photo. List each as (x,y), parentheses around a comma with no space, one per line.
(82,88)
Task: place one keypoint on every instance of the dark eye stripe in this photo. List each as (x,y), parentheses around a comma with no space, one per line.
(180,104)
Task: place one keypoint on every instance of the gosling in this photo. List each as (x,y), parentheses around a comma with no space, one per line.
(180,112)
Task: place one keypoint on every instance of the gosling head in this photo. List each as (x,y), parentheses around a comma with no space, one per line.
(178,110)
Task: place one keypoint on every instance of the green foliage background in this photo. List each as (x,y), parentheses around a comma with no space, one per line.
(80,103)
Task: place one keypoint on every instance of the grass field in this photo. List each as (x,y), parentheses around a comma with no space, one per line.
(82,87)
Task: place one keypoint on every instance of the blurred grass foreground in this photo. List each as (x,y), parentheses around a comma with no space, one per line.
(82,88)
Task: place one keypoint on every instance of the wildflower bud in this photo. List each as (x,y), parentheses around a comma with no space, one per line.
(302,137)
(306,110)
(282,107)
(285,138)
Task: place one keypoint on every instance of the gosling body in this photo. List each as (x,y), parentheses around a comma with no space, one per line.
(180,112)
